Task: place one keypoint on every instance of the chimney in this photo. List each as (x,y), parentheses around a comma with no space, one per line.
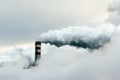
(37,50)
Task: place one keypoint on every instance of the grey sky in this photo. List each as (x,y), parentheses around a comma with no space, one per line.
(114,10)
(22,21)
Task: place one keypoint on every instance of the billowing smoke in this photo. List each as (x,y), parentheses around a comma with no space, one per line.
(26,54)
(66,63)
(83,36)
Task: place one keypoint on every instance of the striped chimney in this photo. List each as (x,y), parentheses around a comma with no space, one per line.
(37,50)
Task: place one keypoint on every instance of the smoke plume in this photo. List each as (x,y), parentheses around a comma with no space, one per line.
(83,36)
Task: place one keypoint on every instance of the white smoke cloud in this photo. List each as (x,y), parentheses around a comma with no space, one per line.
(84,36)
(66,62)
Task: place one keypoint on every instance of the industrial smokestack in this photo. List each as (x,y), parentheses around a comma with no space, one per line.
(37,50)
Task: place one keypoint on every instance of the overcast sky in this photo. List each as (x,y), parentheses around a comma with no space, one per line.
(22,21)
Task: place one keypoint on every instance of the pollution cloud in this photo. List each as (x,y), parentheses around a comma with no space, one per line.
(83,36)
(67,63)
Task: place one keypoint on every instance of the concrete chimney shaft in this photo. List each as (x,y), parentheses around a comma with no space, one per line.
(37,50)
